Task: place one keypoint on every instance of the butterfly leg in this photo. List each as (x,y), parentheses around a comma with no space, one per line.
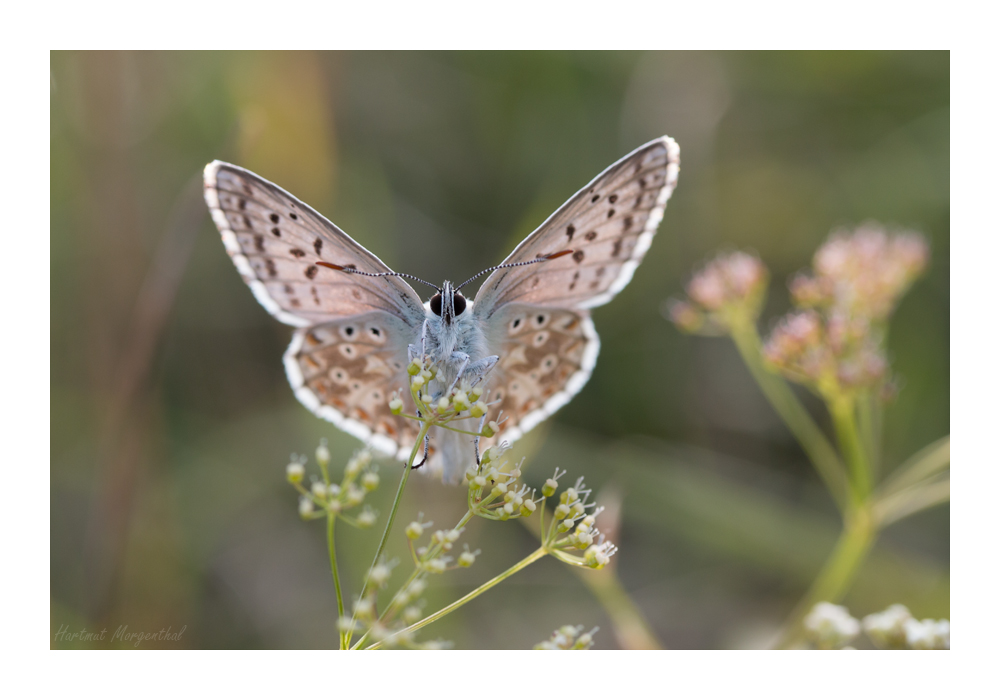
(427,444)
(481,367)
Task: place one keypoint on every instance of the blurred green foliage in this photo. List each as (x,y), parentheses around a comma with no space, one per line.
(172,419)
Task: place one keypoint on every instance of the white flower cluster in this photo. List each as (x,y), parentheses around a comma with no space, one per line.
(324,498)
(568,637)
(831,626)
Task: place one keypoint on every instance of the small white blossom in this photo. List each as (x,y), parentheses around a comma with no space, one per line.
(928,634)
(305,506)
(887,628)
(295,472)
(831,626)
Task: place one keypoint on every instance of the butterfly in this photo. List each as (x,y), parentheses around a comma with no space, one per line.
(528,332)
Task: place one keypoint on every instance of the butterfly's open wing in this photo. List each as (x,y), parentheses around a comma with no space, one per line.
(535,316)
(349,353)
(275,242)
(546,356)
(608,225)
(346,371)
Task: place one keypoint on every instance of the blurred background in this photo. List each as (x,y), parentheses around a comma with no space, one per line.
(172,420)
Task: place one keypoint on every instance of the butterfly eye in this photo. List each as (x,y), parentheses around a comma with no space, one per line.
(459,304)
(436,304)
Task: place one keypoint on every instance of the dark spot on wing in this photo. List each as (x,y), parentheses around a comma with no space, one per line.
(599,272)
(576,276)
(375,332)
(613,198)
(611,213)
(595,284)
(315,295)
(595,198)
(247,188)
(243,204)
(274,218)
(258,242)
(276,231)
(246,220)
(591,235)
(349,331)
(272,269)
(311,271)
(516,323)
(627,223)
(638,202)
(642,182)
(617,248)
(293,215)
(289,289)
(297,253)
(318,245)
(578,256)
(570,230)
(294,302)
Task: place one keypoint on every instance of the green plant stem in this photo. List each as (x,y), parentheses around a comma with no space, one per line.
(793,413)
(531,558)
(844,423)
(424,427)
(870,427)
(925,464)
(839,572)
(331,520)
(394,604)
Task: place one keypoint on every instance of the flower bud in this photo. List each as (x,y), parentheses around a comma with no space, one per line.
(413,368)
(478,410)
(414,530)
(369,482)
(319,489)
(437,565)
(443,403)
(305,506)
(323,454)
(380,575)
(475,392)
(417,382)
(461,401)
(396,406)
(367,517)
(527,508)
(466,559)
(549,487)
(562,510)
(411,614)
(295,471)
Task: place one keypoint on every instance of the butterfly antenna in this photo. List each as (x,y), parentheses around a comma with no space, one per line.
(355,271)
(539,258)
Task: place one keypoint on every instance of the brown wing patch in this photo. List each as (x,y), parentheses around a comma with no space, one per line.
(355,366)
(540,349)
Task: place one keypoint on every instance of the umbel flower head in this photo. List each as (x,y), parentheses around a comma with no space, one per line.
(568,637)
(835,344)
(862,273)
(729,289)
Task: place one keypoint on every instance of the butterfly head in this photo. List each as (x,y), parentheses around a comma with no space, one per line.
(448,303)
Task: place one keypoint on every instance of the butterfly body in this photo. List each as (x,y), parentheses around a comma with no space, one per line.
(528,336)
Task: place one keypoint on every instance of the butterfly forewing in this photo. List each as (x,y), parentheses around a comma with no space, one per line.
(275,241)
(608,225)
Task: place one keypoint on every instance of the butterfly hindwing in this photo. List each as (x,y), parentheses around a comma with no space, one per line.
(275,241)
(346,371)
(608,225)
(546,356)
